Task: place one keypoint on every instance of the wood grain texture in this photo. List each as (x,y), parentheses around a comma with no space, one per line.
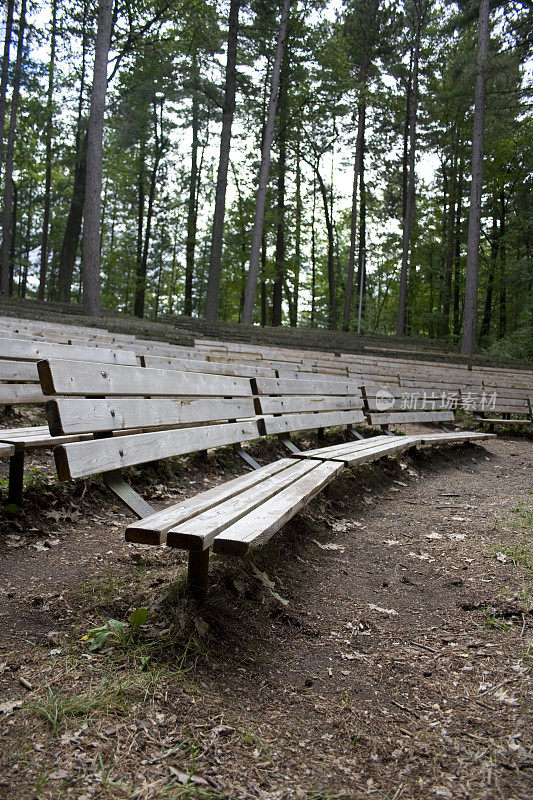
(279,386)
(410,416)
(303,403)
(302,422)
(77,378)
(80,415)
(80,459)
(35,351)
(255,528)
(200,531)
(153,529)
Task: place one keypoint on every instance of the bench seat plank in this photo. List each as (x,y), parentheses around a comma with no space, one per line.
(153,529)
(199,532)
(79,459)
(255,528)
(454,436)
(338,449)
(302,422)
(6,450)
(33,438)
(523,421)
(396,444)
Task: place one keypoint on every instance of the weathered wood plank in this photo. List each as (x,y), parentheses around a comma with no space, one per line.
(199,532)
(346,447)
(280,386)
(257,527)
(35,351)
(80,415)
(302,403)
(13,393)
(304,422)
(80,459)
(74,378)
(153,529)
(410,416)
(212,367)
(18,371)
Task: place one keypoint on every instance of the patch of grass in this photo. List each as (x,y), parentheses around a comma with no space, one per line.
(58,707)
(493,621)
(519,554)
(524,518)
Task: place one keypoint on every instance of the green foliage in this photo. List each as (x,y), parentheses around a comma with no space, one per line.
(116,632)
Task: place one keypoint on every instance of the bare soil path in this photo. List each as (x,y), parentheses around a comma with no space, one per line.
(380,646)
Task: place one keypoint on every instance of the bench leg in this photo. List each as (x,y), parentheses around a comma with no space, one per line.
(288,443)
(250,460)
(197,573)
(353,433)
(122,489)
(16,478)
(321,434)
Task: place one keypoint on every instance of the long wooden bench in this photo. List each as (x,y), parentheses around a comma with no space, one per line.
(20,384)
(139,414)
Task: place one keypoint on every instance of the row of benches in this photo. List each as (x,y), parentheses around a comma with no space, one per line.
(131,415)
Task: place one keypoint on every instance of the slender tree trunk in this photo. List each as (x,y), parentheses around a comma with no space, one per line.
(484,331)
(332,307)
(359,147)
(410,195)
(502,321)
(474,215)
(29,222)
(48,168)
(140,279)
(253,270)
(13,239)
(5,251)
(313,257)
(361,256)
(139,309)
(297,238)
(228,112)
(190,244)
(5,76)
(71,237)
(277,296)
(93,185)
(457,256)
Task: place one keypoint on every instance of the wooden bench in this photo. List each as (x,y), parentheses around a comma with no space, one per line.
(138,415)
(20,384)
(396,405)
(513,404)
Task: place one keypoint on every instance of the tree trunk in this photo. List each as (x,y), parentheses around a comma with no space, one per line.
(23,283)
(277,295)
(5,76)
(361,256)
(332,307)
(139,309)
(359,147)
(297,239)
(13,240)
(313,257)
(71,237)
(474,215)
(48,168)
(140,279)
(93,186)
(484,331)
(253,270)
(410,195)
(228,112)
(502,321)
(190,244)
(8,179)
(457,256)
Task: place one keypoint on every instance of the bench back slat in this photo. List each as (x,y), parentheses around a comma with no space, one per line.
(79,459)
(213,367)
(76,378)
(24,350)
(71,415)
(282,386)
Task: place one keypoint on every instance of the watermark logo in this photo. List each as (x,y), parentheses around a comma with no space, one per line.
(384,400)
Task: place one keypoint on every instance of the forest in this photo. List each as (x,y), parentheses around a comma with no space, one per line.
(300,163)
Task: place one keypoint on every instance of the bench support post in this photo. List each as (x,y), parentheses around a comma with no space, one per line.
(321,434)
(385,429)
(353,433)
(197,573)
(116,483)
(250,460)
(16,478)
(288,443)
(446,429)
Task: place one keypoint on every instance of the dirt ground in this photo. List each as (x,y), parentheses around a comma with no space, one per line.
(379,646)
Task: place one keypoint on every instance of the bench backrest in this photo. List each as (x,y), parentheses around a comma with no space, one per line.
(140,414)
(19,378)
(213,367)
(386,405)
(287,405)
